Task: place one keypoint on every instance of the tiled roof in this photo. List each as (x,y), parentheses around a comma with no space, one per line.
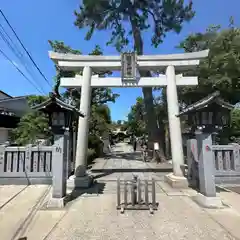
(214,97)
(59,102)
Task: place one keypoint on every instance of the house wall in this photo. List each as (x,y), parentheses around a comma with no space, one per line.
(4,133)
(19,106)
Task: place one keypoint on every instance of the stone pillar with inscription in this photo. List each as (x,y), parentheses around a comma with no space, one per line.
(192,162)
(206,170)
(59,164)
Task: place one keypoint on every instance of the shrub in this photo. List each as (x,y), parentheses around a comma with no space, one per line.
(95,143)
(91,155)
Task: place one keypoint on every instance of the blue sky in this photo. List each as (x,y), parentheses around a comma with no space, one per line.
(38,21)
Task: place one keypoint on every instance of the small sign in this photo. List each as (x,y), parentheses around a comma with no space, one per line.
(129,66)
(156,146)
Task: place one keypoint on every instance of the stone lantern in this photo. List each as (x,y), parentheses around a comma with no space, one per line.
(210,114)
(60,113)
(61,116)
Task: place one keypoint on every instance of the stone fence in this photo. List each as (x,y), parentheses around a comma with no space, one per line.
(225,159)
(30,164)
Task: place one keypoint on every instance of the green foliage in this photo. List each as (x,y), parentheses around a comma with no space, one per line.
(136,120)
(60,47)
(235,122)
(221,70)
(91,155)
(160,16)
(36,99)
(32,125)
(96,144)
(100,119)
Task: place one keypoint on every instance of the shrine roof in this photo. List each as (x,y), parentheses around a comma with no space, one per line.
(204,102)
(55,100)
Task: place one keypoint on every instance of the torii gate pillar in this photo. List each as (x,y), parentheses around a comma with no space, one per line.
(177,178)
(174,122)
(80,179)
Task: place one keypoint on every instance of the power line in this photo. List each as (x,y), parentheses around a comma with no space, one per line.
(9,42)
(29,55)
(19,70)
(10,39)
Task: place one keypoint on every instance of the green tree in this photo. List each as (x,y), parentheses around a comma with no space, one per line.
(136,123)
(32,125)
(221,70)
(119,122)
(159,16)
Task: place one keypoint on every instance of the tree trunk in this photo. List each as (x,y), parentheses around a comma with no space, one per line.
(154,133)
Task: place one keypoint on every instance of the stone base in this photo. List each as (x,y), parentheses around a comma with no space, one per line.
(79,182)
(176,182)
(56,202)
(208,202)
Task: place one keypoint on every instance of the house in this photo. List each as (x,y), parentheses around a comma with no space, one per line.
(11,110)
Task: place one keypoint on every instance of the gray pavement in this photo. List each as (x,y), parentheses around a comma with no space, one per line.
(92,214)
(124,163)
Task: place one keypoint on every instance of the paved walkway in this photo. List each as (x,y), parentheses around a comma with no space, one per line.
(124,163)
(92,215)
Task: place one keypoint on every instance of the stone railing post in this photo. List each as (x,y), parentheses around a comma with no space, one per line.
(59,164)
(206,170)
(236,156)
(68,163)
(2,155)
(28,158)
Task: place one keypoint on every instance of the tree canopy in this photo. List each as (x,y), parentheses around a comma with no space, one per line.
(221,70)
(159,16)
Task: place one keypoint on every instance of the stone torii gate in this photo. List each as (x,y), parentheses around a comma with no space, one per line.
(129,64)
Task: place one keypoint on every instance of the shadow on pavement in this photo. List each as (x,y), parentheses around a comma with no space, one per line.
(134,156)
(123,170)
(95,189)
